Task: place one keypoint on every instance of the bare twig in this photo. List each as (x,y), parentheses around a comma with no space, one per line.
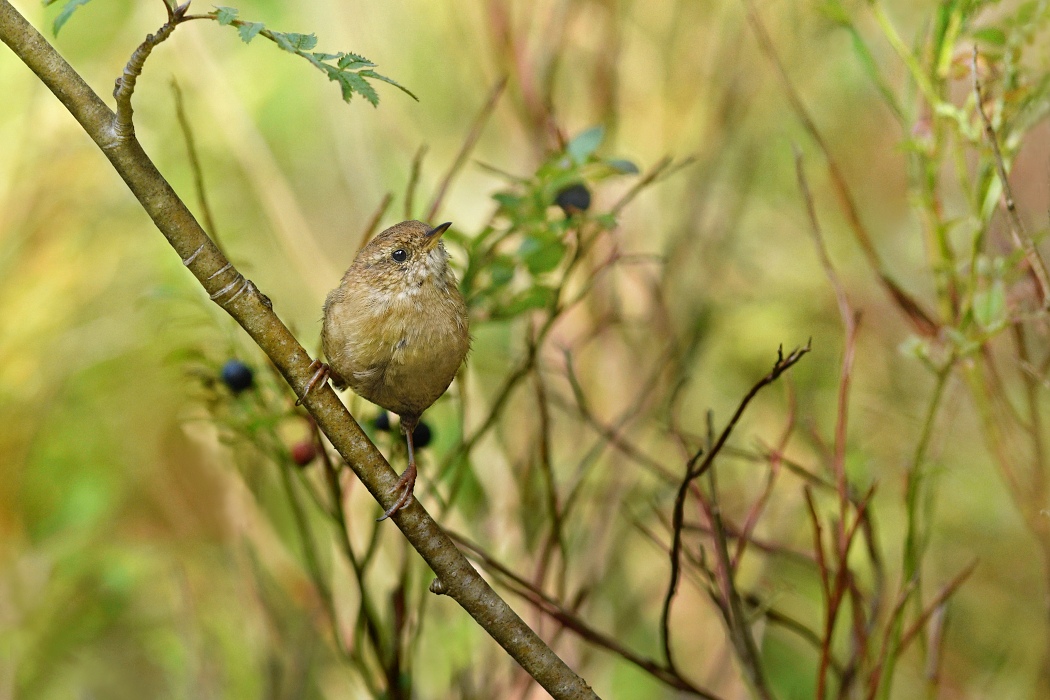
(195,165)
(943,595)
(692,472)
(521,587)
(373,223)
(413,181)
(125,84)
(468,145)
(920,319)
(1022,240)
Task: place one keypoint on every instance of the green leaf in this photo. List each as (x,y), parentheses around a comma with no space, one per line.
(389,81)
(586,143)
(353,61)
(294,42)
(225,15)
(362,87)
(991,35)
(249,30)
(541,255)
(507,199)
(344,84)
(501,269)
(534,298)
(67,11)
(833,10)
(623,166)
(989,306)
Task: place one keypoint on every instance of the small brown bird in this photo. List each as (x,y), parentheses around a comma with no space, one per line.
(395,330)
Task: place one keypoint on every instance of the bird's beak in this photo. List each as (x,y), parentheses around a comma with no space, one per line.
(434,235)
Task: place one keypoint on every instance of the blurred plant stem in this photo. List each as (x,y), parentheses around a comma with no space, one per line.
(253,311)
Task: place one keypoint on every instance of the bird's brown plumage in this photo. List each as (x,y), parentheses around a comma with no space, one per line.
(395,331)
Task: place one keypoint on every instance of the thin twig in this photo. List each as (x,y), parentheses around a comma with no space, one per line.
(946,592)
(920,319)
(124,87)
(195,165)
(692,472)
(468,145)
(413,181)
(1022,240)
(373,223)
(522,587)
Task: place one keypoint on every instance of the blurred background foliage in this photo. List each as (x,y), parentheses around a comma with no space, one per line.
(148,547)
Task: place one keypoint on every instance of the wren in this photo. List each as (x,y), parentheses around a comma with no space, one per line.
(395,330)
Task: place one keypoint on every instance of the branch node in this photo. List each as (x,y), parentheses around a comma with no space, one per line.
(193,256)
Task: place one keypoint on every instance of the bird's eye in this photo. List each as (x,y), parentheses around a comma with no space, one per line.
(400,255)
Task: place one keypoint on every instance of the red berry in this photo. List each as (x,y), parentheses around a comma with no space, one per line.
(304,452)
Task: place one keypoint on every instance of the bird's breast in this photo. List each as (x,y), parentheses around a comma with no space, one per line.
(399,349)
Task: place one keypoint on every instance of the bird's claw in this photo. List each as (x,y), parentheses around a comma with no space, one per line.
(406,484)
(321,374)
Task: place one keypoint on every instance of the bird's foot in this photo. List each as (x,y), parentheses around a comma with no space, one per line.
(321,373)
(405,485)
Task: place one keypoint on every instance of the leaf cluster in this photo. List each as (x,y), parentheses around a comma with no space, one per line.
(350,70)
(516,262)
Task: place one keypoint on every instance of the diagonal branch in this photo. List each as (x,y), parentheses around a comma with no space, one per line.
(253,311)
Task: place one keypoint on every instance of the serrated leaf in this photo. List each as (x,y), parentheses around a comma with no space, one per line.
(344,85)
(249,30)
(353,61)
(225,15)
(294,42)
(585,143)
(361,87)
(67,11)
(389,81)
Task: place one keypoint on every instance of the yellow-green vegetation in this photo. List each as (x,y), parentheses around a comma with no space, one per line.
(653,205)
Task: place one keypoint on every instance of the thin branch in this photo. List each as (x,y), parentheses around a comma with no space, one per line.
(195,165)
(547,605)
(946,592)
(124,86)
(373,223)
(1022,240)
(413,181)
(468,145)
(691,473)
(920,319)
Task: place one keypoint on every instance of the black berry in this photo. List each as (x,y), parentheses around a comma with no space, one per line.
(574,199)
(237,376)
(421,435)
(382,421)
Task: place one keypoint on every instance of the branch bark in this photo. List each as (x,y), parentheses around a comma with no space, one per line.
(253,311)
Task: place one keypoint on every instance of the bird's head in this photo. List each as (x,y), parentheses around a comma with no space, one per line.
(405,256)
